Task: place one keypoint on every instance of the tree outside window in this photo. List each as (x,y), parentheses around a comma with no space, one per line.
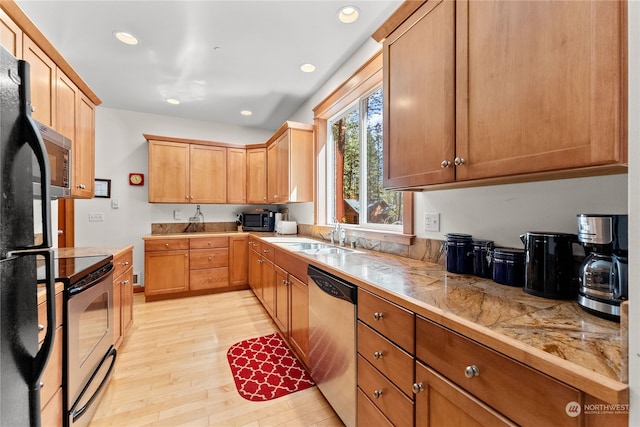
(356,143)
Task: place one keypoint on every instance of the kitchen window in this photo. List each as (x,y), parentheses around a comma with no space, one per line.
(354,168)
(349,161)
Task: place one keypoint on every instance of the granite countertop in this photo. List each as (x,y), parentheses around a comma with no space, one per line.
(554,336)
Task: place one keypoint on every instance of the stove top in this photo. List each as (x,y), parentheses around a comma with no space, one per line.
(71,270)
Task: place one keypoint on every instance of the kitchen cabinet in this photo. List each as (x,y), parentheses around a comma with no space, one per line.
(290,164)
(10,35)
(440,403)
(236,175)
(166,267)
(281,313)
(262,274)
(208,263)
(186,173)
(238,260)
(43,82)
(51,390)
(256,175)
(466,104)
(255,267)
(122,294)
(386,346)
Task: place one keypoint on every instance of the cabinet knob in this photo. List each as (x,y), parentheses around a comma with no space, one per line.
(125,282)
(471,371)
(209,243)
(378,316)
(209,258)
(377,393)
(377,355)
(40,327)
(458,161)
(125,263)
(40,384)
(417,388)
(445,164)
(266,251)
(166,245)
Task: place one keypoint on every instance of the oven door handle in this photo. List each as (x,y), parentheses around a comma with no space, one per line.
(76,289)
(77,413)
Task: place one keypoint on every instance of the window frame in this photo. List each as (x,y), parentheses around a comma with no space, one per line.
(367,78)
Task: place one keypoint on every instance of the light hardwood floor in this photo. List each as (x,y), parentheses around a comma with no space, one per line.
(172,369)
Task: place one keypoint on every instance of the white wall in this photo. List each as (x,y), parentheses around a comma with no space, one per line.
(121,149)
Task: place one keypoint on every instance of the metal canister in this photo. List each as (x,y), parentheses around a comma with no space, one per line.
(508,266)
(482,258)
(459,255)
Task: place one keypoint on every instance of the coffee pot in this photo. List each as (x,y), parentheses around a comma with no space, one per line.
(603,273)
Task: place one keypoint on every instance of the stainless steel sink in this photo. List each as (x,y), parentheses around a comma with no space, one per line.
(308,246)
(317,249)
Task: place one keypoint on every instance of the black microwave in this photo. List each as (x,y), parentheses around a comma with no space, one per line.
(59,153)
(261,221)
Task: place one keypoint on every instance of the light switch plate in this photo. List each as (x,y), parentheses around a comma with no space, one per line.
(432,222)
(96,217)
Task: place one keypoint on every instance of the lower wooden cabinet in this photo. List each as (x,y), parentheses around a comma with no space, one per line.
(52,414)
(299,317)
(369,414)
(122,294)
(194,266)
(51,391)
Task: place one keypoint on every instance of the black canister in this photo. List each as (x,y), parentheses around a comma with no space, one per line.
(551,269)
(482,254)
(459,256)
(508,266)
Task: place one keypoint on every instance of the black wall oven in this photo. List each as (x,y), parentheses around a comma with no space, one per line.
(89,336)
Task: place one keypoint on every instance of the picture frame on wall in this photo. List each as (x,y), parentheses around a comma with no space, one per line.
(102,188)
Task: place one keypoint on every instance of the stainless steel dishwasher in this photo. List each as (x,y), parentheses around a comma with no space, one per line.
(332,341)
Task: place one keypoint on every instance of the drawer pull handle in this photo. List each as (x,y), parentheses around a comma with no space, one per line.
(378,316)
(377,355)
(40,327)
(417,388)
(471,371)
(377,393)
(125,263)
(266,251)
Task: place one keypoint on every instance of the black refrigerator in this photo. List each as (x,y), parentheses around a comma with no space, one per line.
(22,156)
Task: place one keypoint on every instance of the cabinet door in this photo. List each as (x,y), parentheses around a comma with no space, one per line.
(282,168)
(238,260)
(440,403)
(166,272)
(67,95)
(10,35)
(126,306)
(281,313)
(255,273)
(236,175)
(299,326)
(168,172)
(42,78)
(272,173)
(528,102)
(117,311)
(83,160)
(269,286)
(299,182)
(208,174)
(257,175)
(419,98)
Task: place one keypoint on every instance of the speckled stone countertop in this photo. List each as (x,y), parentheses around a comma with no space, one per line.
(553,336)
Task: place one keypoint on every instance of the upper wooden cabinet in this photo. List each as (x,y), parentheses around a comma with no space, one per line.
(186,173)
(59,97)
(473,92)
(236,175)
(257,175)
(290,164)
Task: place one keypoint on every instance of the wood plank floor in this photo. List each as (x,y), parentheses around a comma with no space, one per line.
(172,369)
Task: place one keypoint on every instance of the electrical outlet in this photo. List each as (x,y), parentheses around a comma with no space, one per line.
(177,214)
(432,222)
(96,217)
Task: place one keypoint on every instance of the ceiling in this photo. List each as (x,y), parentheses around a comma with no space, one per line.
(217,57)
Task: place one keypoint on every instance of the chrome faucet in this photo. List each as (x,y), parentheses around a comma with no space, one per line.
(342,234)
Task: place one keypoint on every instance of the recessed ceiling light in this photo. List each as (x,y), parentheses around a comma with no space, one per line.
(126,38)
(308,68)
(173,101)
(246,112)
(348,14)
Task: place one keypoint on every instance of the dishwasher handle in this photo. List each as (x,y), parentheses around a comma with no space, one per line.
(332,285)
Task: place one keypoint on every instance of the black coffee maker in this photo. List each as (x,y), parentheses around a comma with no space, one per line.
(603,273)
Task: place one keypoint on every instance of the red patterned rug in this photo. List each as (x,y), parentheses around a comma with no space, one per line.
(264,368)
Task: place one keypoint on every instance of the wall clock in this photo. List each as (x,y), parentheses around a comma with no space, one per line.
(136,179)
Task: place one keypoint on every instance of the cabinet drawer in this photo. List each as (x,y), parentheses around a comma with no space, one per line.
(52,375)
(42,317)
(522,394)
(208,258)
(389,319)
(208,278)
(122,262)
(388,358)
(267,251)
(368,414)
(391,401)
(255,244)
(208,242)
(166,245)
